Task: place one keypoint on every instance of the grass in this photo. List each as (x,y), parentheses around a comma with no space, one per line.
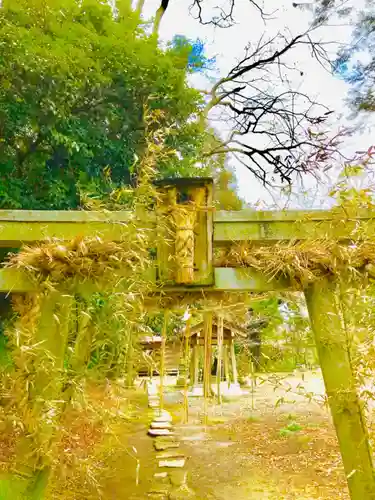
(290,429)
(11,489)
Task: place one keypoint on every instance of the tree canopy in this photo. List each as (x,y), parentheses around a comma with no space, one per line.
(355,62)
(75,77)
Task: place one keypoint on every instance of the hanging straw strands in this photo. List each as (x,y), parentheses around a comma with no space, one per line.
(303,261)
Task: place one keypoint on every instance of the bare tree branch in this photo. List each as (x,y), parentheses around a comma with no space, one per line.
(276,130)
(224,17)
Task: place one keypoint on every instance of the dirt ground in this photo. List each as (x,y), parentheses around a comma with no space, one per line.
(258,457)
(276,442)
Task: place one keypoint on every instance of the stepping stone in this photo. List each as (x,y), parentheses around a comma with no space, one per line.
(159,495)
(160,475)
(160,445)
(177,463)
(160,432)
(161,425)
(169,454)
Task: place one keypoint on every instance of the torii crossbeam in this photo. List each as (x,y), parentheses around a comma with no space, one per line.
(188,231)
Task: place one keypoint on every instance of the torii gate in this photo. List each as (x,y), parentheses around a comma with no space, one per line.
(187,265)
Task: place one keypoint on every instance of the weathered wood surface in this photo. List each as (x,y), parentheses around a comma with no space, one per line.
(249,225)
(226,279)
(22,226)
(184,228)
(42,216)
(333,344)
(207,354)
(19,227)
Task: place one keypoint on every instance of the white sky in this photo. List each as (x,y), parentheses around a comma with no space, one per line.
(228,46)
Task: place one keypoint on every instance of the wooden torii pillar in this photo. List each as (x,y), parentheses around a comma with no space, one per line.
(327,321)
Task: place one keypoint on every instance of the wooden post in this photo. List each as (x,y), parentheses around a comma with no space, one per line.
(191,364)
(322,300)
(234,364)
(45,392)
(226,365)
(183,369)
(196,365)
(207,354)
(185,228)
(220,335)
(162,358)
(185,217)
(186,399)
(184,244)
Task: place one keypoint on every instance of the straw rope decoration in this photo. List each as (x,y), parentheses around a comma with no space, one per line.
(184,245)
(185,218)
(55,261)
(301,262)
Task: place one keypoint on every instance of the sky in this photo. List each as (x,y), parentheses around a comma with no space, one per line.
(227,45)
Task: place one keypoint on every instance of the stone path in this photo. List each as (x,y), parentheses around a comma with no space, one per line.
(170,482)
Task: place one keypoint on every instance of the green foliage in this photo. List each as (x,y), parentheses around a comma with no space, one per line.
(285,342)
(155,323)
(10,489)
(353,190)
(290,429)
(74,81)
(226,196)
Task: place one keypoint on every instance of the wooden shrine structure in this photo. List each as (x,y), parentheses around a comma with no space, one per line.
(188,232)
(223,337)
(151,345)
